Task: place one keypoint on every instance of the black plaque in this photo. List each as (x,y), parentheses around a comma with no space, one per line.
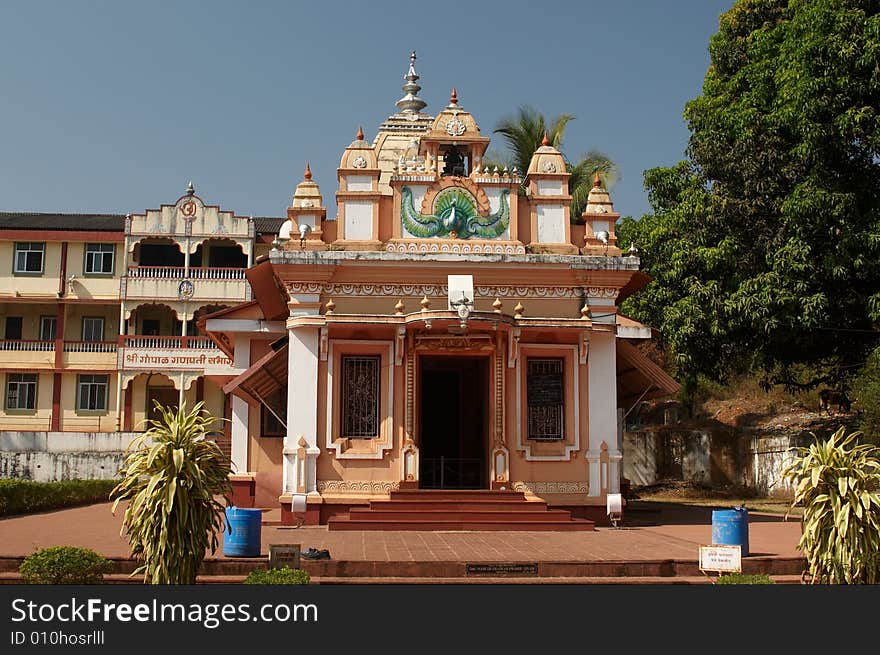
(281,555)
(501,569)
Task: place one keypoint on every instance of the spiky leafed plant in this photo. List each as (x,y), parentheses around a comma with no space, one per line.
(523,134)
(838,485)
(172,475)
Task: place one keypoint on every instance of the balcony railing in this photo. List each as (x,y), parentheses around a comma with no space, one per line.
(27,345)
(90,347)
(137,341)
(179,272)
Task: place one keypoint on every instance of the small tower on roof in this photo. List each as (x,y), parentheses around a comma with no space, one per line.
(455,139)
(550,202)
(599,217)
(306,208)
(358,195)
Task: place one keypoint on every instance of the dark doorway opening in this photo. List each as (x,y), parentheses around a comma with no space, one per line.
(453,421)
(165,396)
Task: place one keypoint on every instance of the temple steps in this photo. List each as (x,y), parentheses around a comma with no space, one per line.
(442,509)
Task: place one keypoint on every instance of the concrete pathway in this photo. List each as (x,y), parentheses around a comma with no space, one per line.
(662,533)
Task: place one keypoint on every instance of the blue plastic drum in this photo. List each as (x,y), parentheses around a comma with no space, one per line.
(730,527)
(242,535)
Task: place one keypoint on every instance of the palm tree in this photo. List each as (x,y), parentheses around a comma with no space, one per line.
(524,134)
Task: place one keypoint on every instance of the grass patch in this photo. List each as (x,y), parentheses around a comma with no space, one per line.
(25,496)
(286,575)
(745,578)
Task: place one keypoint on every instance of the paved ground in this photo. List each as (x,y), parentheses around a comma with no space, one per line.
(653,533)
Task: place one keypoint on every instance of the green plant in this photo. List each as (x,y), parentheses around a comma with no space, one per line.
(744,578)
(172,475)
(838,485)
(24,496)
(286,575)
(64,565)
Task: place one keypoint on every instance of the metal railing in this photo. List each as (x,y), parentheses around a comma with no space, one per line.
(451,473)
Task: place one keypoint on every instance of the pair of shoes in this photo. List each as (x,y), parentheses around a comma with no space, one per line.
(314,553)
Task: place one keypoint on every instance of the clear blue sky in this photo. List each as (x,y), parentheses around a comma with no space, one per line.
(114,106)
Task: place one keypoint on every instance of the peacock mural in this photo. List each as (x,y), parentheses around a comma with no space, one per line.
(455,216)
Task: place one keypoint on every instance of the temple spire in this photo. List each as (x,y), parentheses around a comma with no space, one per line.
(410,103)
(308,173)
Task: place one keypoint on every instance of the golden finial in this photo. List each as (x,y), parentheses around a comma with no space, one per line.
(330,306)
(425,303)
(398,308)
(497,305)
(518,310)
(585,312)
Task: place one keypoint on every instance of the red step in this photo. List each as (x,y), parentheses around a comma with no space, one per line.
(451,523)
(445,509)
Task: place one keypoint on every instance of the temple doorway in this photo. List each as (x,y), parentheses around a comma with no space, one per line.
(453,421)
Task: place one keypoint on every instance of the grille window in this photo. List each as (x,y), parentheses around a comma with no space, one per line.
(360,397)
(545,393)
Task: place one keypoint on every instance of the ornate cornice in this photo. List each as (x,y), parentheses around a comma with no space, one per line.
(440,290)
(357,487)
(551,487)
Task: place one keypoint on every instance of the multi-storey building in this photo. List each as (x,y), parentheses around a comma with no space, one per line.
(98,311)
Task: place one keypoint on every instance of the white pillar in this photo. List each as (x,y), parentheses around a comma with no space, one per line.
(240,409)
(302,410)
(602,398)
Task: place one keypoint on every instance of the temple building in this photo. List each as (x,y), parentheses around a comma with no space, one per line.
(454,328)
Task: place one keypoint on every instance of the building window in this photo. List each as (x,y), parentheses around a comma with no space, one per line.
(92,393)
(13,328)
(29,257)
(360,397)
(93,328)
(48,327)
(99,258)
(273,420)
(545,392)
(21,391)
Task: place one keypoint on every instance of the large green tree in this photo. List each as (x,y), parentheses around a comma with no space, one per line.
(765,245)
(524,132)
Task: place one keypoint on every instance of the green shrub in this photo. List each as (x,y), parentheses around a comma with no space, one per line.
(278,576)
(838,485)
(24,496)
(64,565)
(745,578)
(173,474)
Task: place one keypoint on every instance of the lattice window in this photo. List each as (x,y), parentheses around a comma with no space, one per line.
(360,397)
(545,392)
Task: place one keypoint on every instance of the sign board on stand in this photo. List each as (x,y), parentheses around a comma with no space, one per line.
(721,559)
